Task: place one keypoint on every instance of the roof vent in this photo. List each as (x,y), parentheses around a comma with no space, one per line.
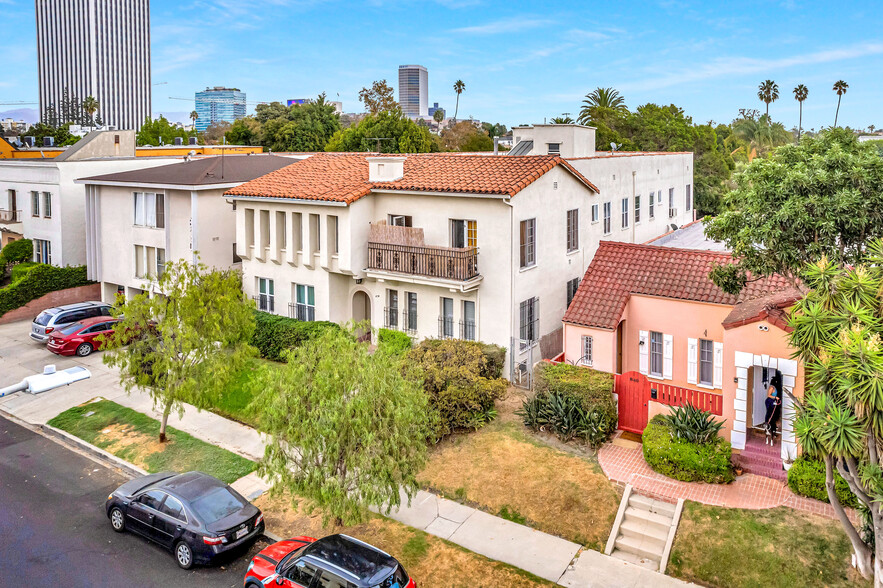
(385,169)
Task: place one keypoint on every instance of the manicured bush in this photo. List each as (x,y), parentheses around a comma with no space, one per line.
(19,270)
(17,252)
(393,342)
(461,379)
(807,478)
(40,280)
(274,334)
(685,461)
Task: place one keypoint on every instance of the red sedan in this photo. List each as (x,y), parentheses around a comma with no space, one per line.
(336,560)
(80,338)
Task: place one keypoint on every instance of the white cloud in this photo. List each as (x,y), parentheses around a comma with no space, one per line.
(506,25)
(583,35)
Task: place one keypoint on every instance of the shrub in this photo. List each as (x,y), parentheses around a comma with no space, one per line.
(496,359)
(807,478)
(691,424)
(685,461)
(393,342)
(17,252)
(19,270)
(461,379)
(38,281)
(274,334)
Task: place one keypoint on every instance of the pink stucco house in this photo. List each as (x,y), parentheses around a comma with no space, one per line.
(652,314)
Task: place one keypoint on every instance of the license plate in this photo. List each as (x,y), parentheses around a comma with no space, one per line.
(242,533)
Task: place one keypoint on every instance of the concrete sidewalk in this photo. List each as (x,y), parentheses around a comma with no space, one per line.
(544,555)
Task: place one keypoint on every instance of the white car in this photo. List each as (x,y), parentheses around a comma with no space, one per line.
(54,318)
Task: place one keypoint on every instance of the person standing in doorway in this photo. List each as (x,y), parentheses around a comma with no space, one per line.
(773,408)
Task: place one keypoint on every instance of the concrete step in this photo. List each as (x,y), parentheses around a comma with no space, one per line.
(638,526)
(650,564)
(774,473)
(646,547)
(655,506)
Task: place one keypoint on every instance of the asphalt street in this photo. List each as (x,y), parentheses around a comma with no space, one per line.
(54,532)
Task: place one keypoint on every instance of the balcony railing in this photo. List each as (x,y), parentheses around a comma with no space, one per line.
(301,312)
(467,330)
(391,318)
(434,262)
(265,302)
(445,327)
(10,216)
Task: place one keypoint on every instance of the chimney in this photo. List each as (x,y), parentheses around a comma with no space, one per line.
(193,140)
(496,145)
(385,169)
(179,141)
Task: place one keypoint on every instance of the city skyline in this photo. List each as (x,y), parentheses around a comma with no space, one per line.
(519,66)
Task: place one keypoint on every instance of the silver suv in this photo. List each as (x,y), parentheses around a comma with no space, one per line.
(53,318)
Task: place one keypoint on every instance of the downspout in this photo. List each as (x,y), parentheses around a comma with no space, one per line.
(634,195)
(508,202)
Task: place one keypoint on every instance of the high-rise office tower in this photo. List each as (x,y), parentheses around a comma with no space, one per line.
(98,48)
(217,104)
(414,90)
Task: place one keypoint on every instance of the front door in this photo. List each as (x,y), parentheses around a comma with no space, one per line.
(633,390)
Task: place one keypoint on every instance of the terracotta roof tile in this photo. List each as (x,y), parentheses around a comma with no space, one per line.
(619,270)
(343,177)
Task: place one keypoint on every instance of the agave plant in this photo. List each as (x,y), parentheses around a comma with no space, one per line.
(692,424)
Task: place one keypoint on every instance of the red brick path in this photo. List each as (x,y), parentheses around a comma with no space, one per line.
(627,466)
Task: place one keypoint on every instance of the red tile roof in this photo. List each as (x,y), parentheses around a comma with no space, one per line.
(619,270)
(343,177)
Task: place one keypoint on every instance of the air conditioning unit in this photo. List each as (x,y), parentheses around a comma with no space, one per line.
(29,141)
(48,141)
(672,212)
(193,140)
(179,141)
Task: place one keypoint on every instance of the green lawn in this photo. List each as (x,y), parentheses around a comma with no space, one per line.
(729,547)
(235,398)
(134,437)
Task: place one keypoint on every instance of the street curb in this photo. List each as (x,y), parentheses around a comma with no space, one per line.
(131,470)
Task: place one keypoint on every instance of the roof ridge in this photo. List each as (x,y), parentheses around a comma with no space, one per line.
(661,248)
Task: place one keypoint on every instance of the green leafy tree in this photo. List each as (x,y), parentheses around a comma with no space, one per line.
(161,132)
(216,133)
(768,91)
(61,135)
(245,131)
(494,129)
(193,118)
(305,127)
(346,429)
(378,98)
(759,135)
(182,343)
(387,132)
(265,112)
(837,334)
(438,116)
(840,88)
(459,88)
(801,93)
(465,136)
(823,197)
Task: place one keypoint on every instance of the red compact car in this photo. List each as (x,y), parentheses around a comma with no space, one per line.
(337,561)
(80,338)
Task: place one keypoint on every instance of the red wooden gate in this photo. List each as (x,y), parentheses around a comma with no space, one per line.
(633,390)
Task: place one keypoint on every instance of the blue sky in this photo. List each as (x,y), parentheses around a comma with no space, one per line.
(521,61)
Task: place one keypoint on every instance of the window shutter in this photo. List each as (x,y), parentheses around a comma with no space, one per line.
(667,351)
(718,365)
(692,351)
(644,350)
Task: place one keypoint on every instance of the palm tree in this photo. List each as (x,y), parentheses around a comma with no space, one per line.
(193,116)
(759,136)
(598,100)
(459,86)
(800,94)
(438,116)
(768,92)
(562,120)
(840,87)
(90,107)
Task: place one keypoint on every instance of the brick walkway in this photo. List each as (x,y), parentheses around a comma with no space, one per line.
(627,466)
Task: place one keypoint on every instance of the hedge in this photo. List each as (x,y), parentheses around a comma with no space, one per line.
(38,281)
(393,342)
(17,252)
(688,462)
(274,334)
(19,270)
(593,388)
(807,478)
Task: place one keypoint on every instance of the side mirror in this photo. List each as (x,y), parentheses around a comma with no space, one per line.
(279,580)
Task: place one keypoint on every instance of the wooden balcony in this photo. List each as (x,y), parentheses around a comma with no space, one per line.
(446,263)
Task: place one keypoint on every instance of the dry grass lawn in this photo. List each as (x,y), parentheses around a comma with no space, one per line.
(432,562)
(504,470)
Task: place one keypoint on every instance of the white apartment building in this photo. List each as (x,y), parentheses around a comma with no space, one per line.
(478,247)
(42,194)
(137,221)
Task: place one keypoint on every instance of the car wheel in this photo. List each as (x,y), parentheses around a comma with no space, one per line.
(117,520)
(84,349)
(183,555)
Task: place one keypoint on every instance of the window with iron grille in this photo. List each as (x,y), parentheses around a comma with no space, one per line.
(411,312)
(706,361)
(305,303)
(529,319)
(528,242)
(587,350)
(655,354)
(572,230)
(625,213)
(607,214)
(446,319)
(42,251)
(467,325)
(266,295)
(572,287)
(392,309)
(637,209)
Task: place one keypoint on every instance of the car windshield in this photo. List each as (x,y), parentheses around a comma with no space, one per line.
(217,504)
(43,318)
(71,328)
